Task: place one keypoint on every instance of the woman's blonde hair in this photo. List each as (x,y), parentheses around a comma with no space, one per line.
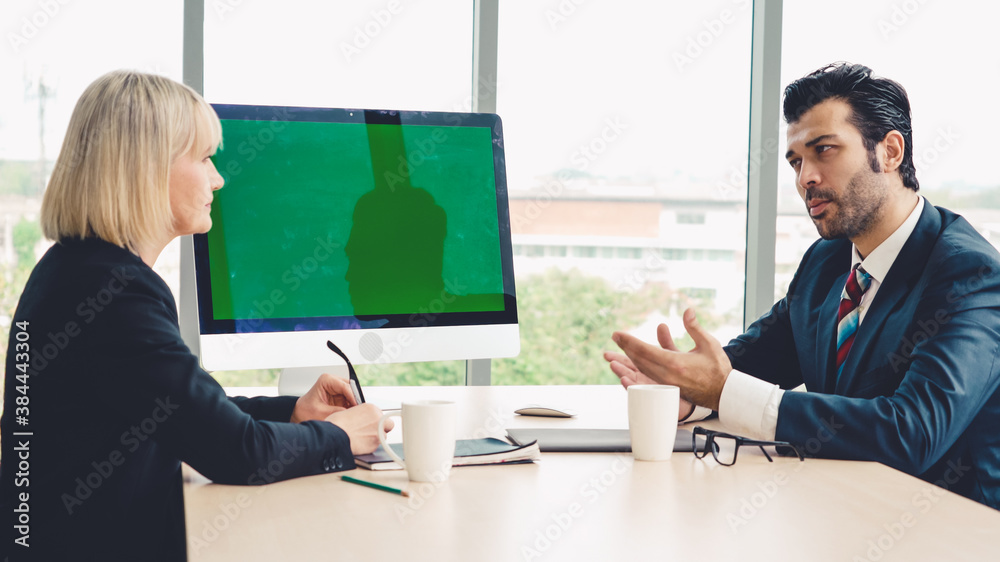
(111,180)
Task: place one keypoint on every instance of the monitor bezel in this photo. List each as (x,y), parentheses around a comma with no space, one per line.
(391,325)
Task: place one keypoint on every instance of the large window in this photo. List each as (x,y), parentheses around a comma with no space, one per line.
(626,131)
(51,51)
(626,134)
(947,56)
(626,128)
(372,54)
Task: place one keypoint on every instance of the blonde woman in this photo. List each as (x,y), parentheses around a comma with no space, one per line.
(102,399)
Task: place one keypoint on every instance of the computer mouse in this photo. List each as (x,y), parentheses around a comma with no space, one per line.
(544,411)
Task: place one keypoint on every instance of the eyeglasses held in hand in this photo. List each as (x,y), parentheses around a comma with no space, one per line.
(725,446)
(359,397)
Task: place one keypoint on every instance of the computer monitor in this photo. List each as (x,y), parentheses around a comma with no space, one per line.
(386,232)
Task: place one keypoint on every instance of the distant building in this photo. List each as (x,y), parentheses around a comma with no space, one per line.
(628,234)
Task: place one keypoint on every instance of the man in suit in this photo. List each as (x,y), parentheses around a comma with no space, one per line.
(892,321)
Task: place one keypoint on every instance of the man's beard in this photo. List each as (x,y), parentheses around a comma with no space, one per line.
(858,208)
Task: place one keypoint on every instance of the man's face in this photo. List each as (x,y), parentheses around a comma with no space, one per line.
(843,196)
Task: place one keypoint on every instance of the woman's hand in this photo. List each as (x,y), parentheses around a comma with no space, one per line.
(361,425)
(329,395)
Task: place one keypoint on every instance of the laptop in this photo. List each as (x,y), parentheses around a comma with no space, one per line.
(569,440)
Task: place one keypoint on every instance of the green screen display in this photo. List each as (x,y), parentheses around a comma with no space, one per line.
(320,219)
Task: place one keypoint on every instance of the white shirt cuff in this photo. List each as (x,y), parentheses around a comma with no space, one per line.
(699,413)
(749,406)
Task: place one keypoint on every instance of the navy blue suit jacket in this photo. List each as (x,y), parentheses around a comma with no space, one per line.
(117,401)
(918,391)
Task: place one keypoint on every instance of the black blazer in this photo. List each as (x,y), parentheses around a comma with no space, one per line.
(918,391)
(115,401)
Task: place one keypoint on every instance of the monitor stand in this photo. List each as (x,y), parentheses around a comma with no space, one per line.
(296,381)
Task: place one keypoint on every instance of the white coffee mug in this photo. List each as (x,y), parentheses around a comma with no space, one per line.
(652,420)
(428,439)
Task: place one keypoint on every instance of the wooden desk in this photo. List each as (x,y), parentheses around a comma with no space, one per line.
(590,506)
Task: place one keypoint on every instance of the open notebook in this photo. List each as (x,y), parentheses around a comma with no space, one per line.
(468,452)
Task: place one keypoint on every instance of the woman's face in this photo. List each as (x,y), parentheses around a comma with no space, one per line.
(193,178)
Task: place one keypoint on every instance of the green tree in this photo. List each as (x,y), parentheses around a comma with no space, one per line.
(434,373)
(255,377)
(26,236)
(566,320)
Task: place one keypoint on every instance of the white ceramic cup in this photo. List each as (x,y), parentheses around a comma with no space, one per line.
(652,420)
(428,439)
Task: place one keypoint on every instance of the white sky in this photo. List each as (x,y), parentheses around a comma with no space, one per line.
(563,76)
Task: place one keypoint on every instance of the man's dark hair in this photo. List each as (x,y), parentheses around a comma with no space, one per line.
(878,105)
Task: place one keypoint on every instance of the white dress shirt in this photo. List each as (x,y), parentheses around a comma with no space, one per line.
(748,405)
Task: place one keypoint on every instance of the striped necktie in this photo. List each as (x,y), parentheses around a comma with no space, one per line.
(848,316)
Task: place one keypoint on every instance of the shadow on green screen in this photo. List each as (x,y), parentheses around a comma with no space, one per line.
(395,250)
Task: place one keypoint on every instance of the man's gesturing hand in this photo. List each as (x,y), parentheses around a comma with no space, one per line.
(700,373)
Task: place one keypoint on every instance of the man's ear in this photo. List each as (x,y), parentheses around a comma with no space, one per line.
(891,155)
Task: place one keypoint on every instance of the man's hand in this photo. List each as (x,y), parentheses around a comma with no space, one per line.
(627,372)
(330,394)
(700,373)
(361,425)
(622,366)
